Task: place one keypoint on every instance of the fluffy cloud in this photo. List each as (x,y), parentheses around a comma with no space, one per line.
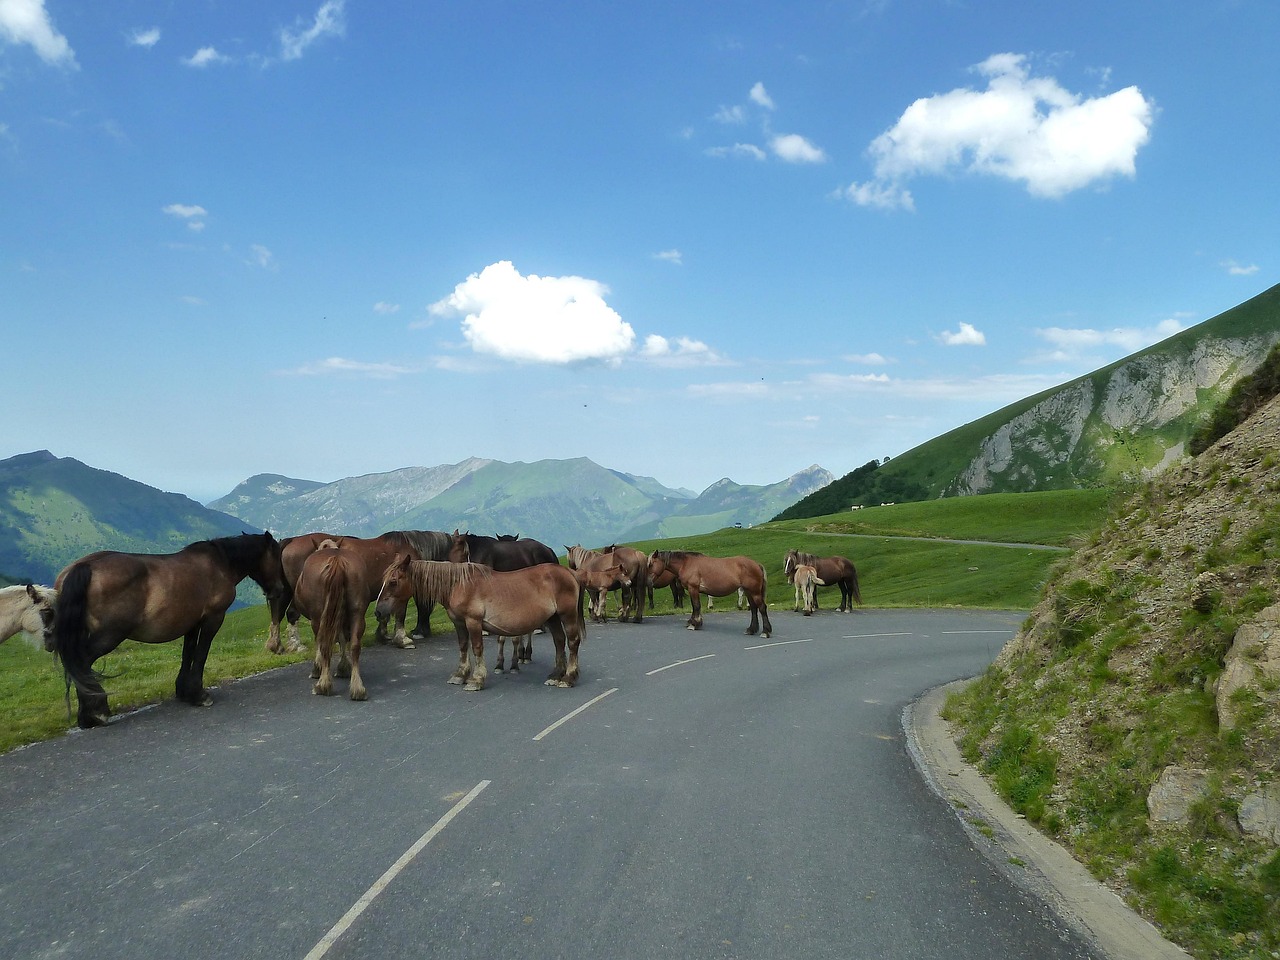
(330,20)
(145,38)
(760,97)
(536,319)
(679,352)
(27,22)
(1023,128)
(193,214)
(796,149)
(206,56)
(966,336)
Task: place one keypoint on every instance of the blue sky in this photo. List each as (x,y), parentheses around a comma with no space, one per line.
(326,238)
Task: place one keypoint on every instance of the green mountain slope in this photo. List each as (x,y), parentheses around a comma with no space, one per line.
(1132,418)
(54,510)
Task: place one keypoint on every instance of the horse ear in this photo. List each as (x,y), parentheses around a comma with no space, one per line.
(33,593)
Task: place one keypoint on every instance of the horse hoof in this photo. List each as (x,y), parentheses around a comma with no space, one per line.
(206,700)
(473,687)
(359,695)
(89,721)
(499,670)
(564,683)
(455,680)
(320,691)
(764,636)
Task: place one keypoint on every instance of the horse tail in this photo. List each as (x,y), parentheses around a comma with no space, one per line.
(853,582)
(333,579)
(71,631)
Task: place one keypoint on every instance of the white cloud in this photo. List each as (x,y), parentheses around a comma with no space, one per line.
(1238,269)
(760,97)
(537,319)
(670,256)
(28,22)
(206,56)
(867,359)
(385,308)
(340,365)
(679,352)
(193,214)
(145,38)
(262,257)
(329,21)
(796,149)
(738,150)
(1023,128)
(730,115)
(1071,344)
(885,196)
(966,336)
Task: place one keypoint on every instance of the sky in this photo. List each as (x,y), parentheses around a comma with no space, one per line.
(328,238)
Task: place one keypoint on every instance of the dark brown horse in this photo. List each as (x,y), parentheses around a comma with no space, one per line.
(376,553)
(106,598)
(507,604)
(332,591)
(717,577)
(832,572)
(503,553)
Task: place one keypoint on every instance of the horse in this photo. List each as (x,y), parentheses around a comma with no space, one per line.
(504,553)
(106,598)
(506,603)
(332,592)
(376,553)
(28,609)
(668,579)
(831,571)
(718,577)
(632,565)
(598,573)
(805,579)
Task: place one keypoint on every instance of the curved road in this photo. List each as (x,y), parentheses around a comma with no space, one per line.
(713,795)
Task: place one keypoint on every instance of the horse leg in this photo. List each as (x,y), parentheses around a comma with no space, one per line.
(400,638)
(742,599)
(526,649)
(479,672)
(323,675)
(517,650)
(764,616)
(498,667)
(190,687)
(93,710)
(460,674)
(561,669)
(422,629)
(695,605)
(356,689)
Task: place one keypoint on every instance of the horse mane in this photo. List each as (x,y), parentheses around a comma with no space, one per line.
(807,559)
(428,544)
(434,579)
(240,552)
(676,554)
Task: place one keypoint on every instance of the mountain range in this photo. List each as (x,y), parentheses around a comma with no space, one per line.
(1130,419)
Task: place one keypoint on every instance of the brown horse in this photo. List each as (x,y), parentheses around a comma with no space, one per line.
(832,571)
(506,603)
(333,593)
(375,553)
(805,579)
(503,553)
(598,573)
(717,577)
(631,565)
(106,598)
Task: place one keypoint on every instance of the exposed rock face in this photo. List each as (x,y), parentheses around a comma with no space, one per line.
(1177,789)
(1253,666)
(1260,813)
(1086,427)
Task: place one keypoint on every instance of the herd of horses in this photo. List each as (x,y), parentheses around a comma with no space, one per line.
(507,587)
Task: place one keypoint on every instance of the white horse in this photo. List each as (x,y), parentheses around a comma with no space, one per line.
(27,609)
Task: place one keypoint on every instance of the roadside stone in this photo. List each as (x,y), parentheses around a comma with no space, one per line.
(1177,789)
(1260,813)
(1254,655)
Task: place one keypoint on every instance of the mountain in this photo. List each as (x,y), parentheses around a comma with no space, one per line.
(559,502)
(54,510)
(1132,418)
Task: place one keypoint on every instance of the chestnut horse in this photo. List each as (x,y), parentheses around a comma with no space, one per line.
(631,565)
(504,553)
(832,571)
(717,577)
(27,609)
(506,603)
(332,591)
(106,598)
(376,553)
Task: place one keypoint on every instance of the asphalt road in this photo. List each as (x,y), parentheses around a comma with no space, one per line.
(716,795)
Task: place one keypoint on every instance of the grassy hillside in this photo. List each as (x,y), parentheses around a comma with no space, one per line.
(892,573)
(1155,652)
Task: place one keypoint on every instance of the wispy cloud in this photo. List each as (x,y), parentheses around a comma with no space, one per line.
(967,335)
(670,256)
(260,256)
(1075,344)
(679,352)
(334,366)
(796,149)
(1239,269)
(1023,128)
(749,150)
(27,22)
(788,147)
(866,359)
(192,214)
(144,38)
(330,21)
(206,57)
(385,308)
(760,97)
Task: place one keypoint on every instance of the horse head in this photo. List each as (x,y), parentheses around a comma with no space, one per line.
(396,589)
(268,570)
(459,549)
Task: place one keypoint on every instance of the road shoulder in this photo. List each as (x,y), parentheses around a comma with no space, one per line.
(1019,850)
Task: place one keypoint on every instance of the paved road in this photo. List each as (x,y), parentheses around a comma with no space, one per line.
(717,796)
